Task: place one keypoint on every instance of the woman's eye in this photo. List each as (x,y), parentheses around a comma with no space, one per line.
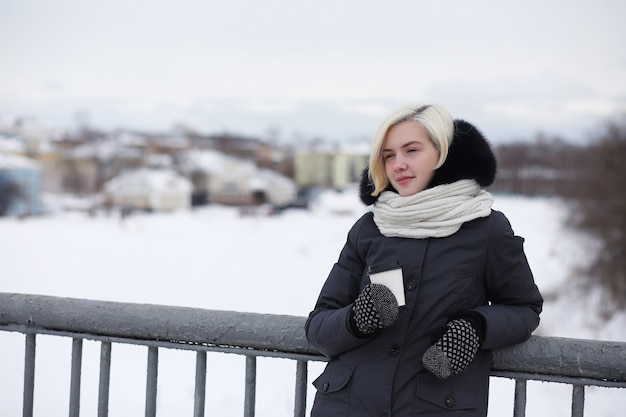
(385,157)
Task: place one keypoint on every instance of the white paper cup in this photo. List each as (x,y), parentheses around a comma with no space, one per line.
(393,280)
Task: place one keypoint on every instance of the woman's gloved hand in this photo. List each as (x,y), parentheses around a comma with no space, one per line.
(454,351)
(375,308)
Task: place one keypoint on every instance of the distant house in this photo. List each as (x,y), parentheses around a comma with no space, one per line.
(329,168)
(87,166)
(149,189)
(20,184)
(274,188)
(25,138)
(223,179)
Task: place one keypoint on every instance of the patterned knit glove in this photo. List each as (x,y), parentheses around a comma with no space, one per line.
(454,351)
(375,308)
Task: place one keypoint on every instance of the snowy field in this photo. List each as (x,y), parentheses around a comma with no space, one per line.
(215,259)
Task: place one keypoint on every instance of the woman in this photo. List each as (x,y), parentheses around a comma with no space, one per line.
(466,286)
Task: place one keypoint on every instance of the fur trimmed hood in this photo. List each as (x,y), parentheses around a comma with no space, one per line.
(469,157)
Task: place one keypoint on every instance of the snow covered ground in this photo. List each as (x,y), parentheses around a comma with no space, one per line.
(215,259)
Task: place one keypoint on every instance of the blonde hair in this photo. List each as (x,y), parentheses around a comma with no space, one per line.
(439,126)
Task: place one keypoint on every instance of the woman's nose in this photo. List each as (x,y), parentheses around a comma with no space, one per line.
(399,164)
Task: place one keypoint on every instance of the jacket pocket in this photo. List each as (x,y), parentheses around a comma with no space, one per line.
(436,396)
(463,288)
(333,391)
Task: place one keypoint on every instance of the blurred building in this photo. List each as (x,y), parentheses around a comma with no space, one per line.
(271,187)
(37,143)
(20,185)
(223,179)
(329,168)
(149,189)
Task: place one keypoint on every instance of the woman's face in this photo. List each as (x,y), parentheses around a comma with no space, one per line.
(410,157)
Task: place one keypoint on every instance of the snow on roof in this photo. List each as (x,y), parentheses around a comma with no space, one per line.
(11,143)
(8,161)
(105,149)
(146,179)
(129,139)
(265,178)
(215,162)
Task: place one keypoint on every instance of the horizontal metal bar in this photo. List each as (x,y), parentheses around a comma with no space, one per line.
(157,322)
(239,350)
(249,352)
(594,362)
(559,379)
(593,359)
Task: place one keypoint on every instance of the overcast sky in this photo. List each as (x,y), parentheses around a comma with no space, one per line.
(300,69)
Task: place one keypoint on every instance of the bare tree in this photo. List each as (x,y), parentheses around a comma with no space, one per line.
(599,206)
(543,166)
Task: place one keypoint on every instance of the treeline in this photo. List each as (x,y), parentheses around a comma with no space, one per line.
(591,178)
(598,201)
(543,166)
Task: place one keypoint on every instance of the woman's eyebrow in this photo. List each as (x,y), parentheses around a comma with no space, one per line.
(411,143)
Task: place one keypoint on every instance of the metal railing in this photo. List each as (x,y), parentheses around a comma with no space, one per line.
(579,363)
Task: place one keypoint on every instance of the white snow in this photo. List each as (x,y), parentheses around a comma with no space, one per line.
(17,162)
(149,180)
(215,162)
(212,258)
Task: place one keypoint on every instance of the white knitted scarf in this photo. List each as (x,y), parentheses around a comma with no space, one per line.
(435,212)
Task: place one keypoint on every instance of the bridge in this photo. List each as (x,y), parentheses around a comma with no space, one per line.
(579,363)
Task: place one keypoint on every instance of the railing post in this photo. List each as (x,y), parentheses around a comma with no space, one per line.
(578,400)
(105,378)
(77,360)
(29,375)
(200,390)
(301,385)
(250,396)
(519,402)
(151,382)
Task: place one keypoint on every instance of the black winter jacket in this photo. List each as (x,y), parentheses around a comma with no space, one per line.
(481,269)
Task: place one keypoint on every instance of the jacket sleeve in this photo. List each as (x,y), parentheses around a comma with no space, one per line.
(515,301)
(327,327)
